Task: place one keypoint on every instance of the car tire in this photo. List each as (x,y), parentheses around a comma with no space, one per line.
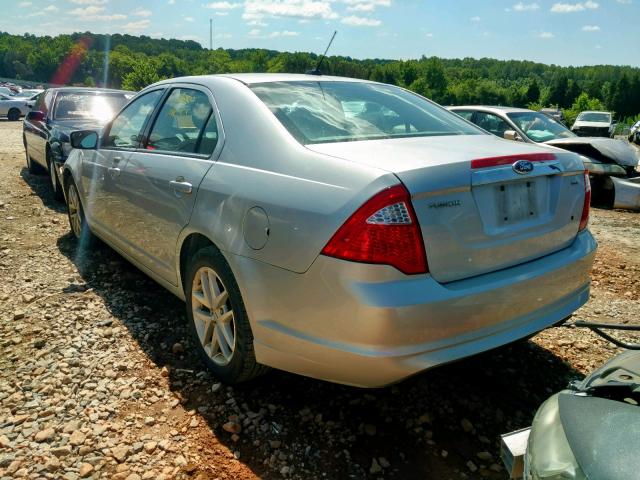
(77,220)
(14,115)
(53,179)
(219,326)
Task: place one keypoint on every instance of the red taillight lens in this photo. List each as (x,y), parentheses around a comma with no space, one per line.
(584,219)
(384,230)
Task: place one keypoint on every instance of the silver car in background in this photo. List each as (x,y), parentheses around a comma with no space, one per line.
(342,229)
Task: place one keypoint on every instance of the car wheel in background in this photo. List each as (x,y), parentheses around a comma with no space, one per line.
(77,221)
(53,179)
(217,318)
(14,115)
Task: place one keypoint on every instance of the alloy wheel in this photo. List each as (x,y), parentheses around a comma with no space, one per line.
(213,316)
(75,213)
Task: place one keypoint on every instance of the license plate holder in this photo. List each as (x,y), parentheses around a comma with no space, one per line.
(516,201)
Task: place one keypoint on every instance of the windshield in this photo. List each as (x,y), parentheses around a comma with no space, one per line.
(322,112)
(595,117)
(539,127)
(102,107)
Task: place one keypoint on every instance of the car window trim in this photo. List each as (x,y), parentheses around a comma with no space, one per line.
(221,137)
(107,129)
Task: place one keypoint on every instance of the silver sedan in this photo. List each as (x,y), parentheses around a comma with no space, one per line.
(342,229)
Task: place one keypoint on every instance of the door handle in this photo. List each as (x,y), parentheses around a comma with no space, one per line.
(180,186)
(114,172)
(116,160)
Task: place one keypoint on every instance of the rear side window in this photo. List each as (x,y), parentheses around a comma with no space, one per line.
(185,124)
(324,112)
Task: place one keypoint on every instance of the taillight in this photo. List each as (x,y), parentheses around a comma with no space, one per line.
(384,230)
(584,219)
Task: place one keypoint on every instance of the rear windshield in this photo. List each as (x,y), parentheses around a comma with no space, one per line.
(595,117)
(540,127)
(324,112)
(102,107)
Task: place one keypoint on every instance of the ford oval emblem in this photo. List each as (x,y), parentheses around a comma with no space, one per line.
(522,167)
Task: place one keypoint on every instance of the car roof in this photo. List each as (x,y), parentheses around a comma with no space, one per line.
(595,111)
(489,108)
(88,90)
(254,78)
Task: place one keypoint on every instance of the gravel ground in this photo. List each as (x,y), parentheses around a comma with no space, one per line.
(98,378)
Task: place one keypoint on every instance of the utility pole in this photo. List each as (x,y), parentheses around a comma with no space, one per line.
(211,34)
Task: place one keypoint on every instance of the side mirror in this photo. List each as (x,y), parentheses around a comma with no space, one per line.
(36,116)
(512,135)
(84,139)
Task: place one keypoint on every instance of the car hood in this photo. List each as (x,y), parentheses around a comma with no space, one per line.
(607,150)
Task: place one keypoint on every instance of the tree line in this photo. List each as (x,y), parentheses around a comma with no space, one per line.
(132,62)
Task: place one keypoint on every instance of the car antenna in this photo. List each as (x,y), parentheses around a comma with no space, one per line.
(316,71)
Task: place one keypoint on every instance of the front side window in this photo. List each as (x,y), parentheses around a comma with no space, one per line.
(491,123)
(323,112)
(126,129)
(88,106)
(540,127)
(466,114)
(185,124)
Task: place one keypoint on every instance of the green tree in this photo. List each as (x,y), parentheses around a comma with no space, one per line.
(144,73)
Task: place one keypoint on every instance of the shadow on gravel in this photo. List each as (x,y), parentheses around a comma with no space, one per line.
(41,186)
(329,430)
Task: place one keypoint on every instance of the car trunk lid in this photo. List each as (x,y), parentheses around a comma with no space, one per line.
(477,214)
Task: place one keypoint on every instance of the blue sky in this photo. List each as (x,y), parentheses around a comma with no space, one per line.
(565,32)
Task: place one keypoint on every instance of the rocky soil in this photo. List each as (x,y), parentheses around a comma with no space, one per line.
(99,380)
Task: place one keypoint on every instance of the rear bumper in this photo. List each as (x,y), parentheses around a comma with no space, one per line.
(370,325)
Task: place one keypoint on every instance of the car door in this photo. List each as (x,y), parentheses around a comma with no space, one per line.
(4,105)
(161,180)
(101,190)
(36,131)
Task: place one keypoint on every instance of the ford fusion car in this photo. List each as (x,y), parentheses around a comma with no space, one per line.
(341,229)
(56,113)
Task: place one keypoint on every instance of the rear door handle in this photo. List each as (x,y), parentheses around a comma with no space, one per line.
(180,186)
(114,172)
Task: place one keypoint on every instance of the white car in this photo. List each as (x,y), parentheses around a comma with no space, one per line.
(594,124)
(13,108)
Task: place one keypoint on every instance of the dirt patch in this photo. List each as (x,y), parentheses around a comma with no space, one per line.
(98,378)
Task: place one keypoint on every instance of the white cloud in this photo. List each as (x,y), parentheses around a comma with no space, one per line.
(89,2)
(223,5)
(546,35)
(94,13)
(525,7)
(475,19)
(365,5)
(591,28)
(189,19)
(284,33)
(624,2)
(361,21)
(254,32)
(137,26)
(255,9)
(141,12)
(574,7)
(25,4)
(51,8)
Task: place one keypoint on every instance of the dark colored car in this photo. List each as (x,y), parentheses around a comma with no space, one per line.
(56,113)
